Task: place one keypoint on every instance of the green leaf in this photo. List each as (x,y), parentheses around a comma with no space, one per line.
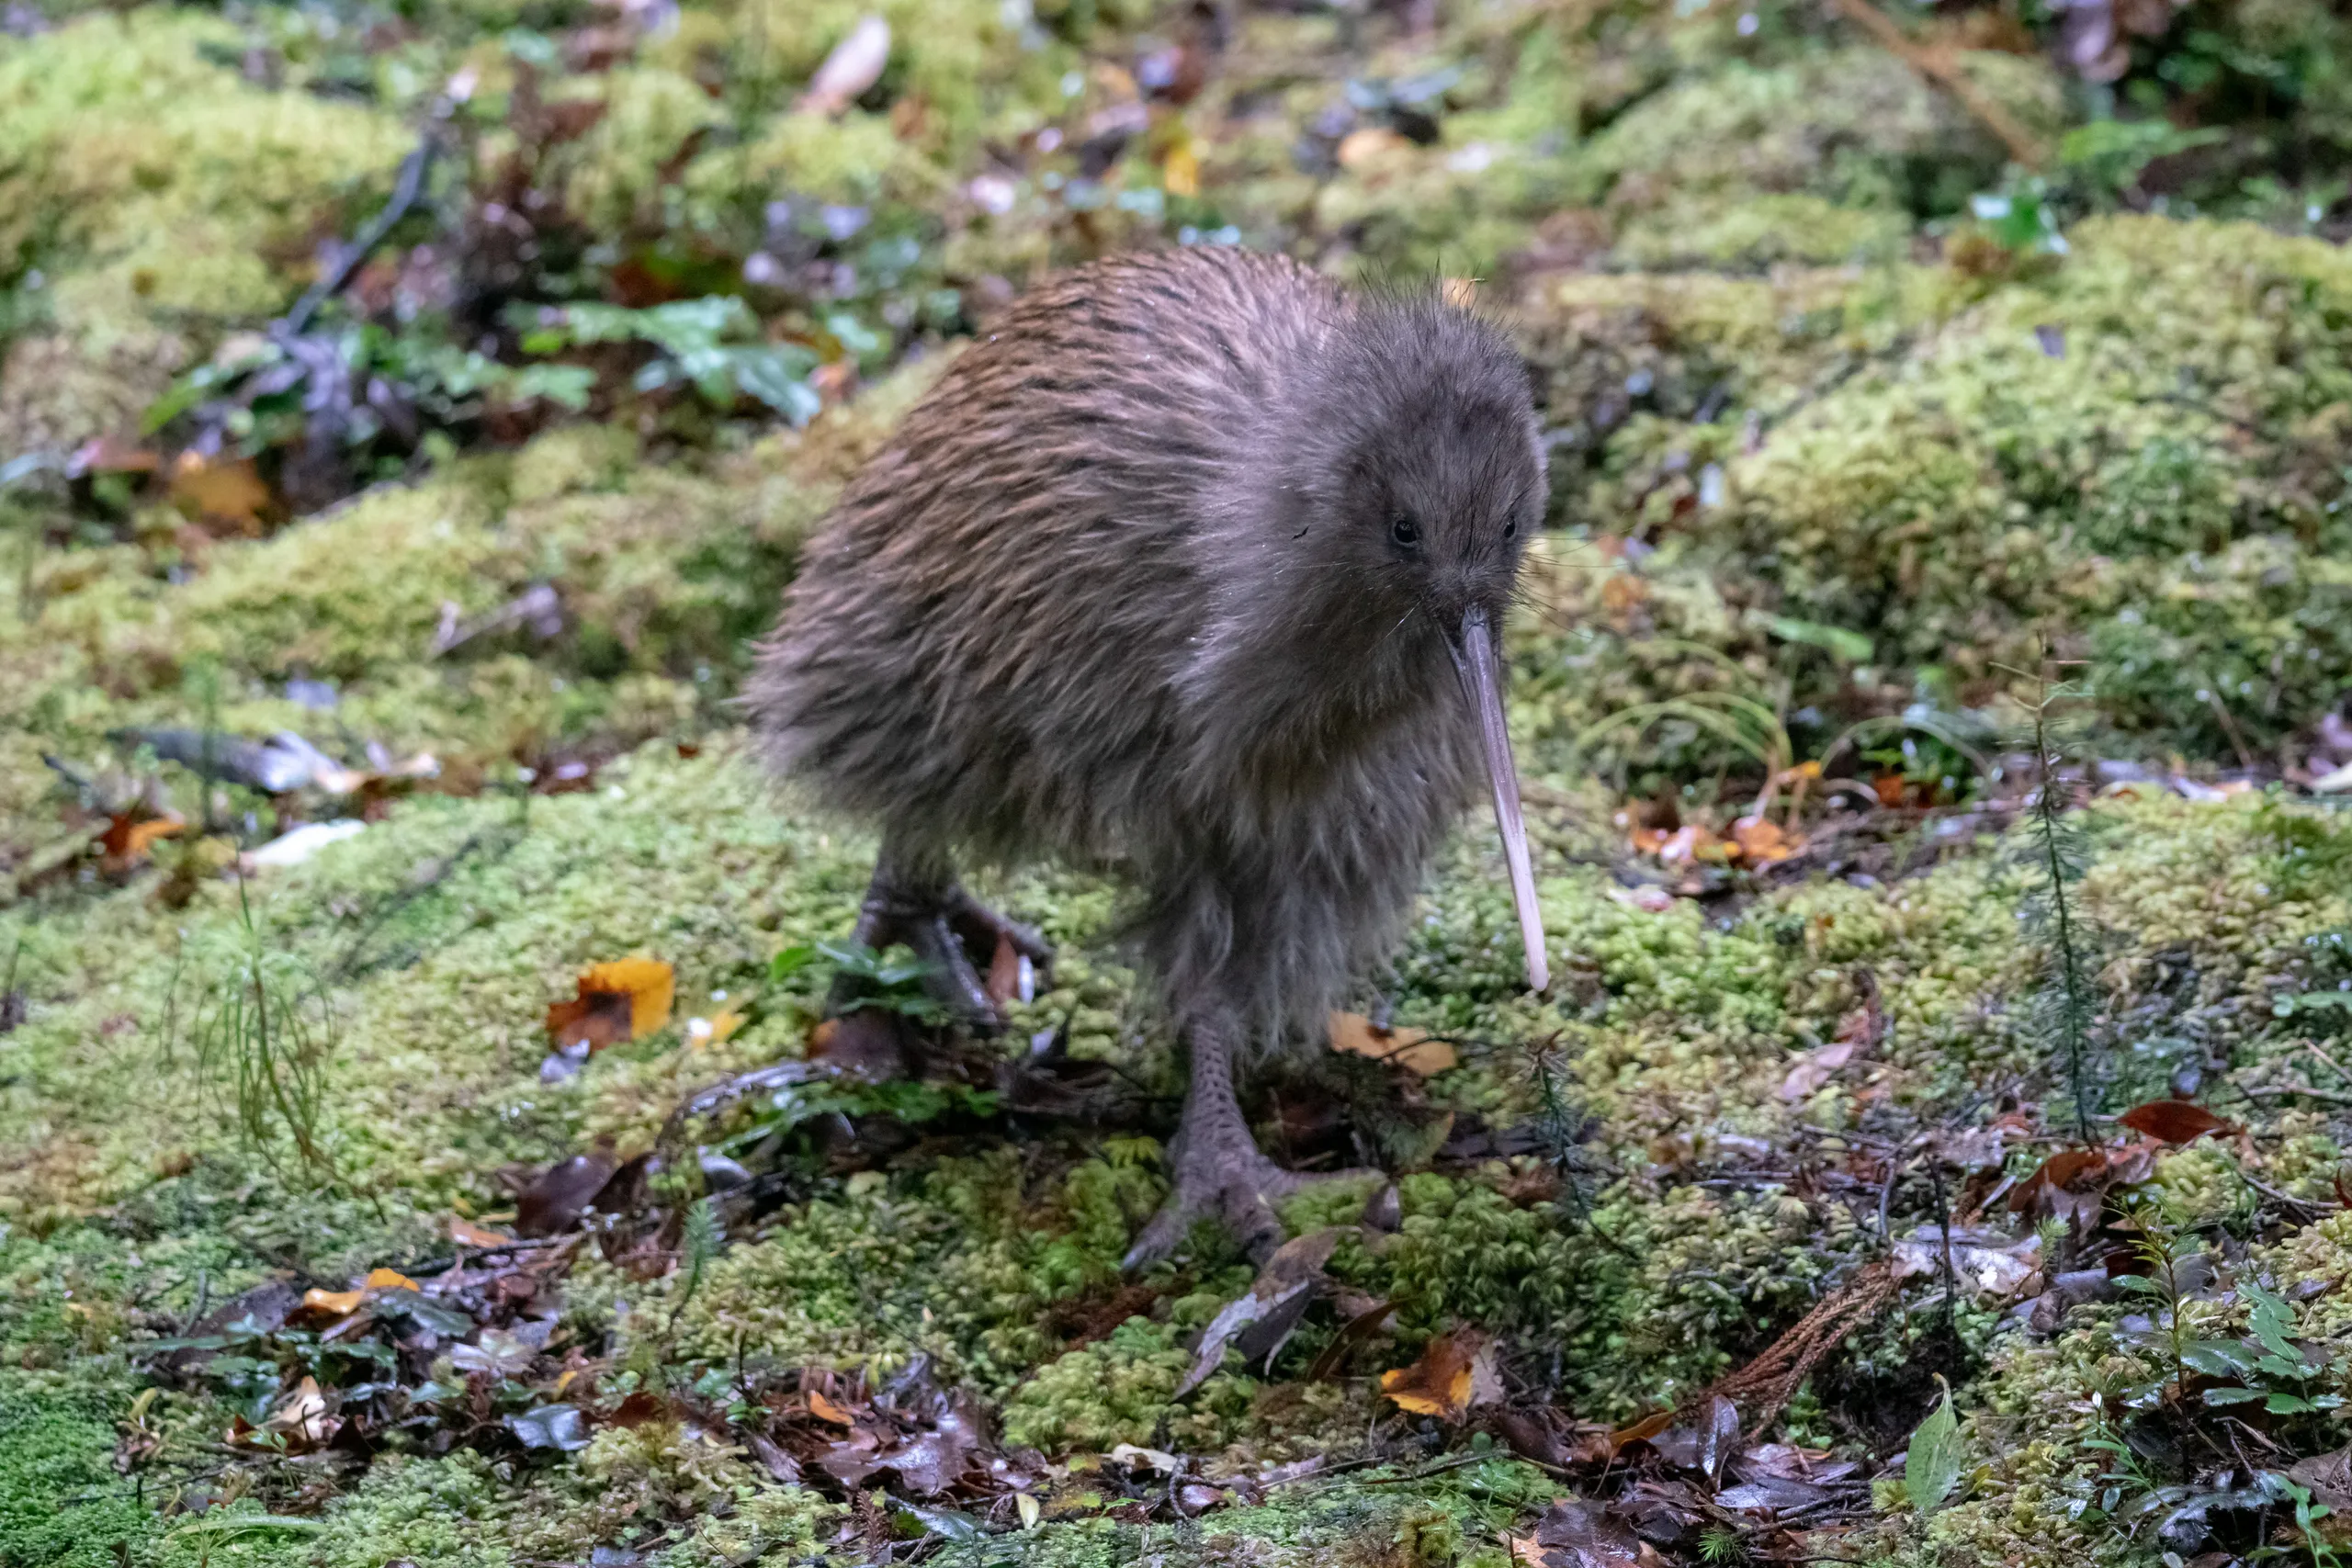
(2233,1395)
(1932,1467)
(2290,1404)
(2220,1357)
(1850,646)
(792,961)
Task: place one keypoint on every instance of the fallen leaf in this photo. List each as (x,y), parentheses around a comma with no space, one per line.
(1180,172)
(711,1031)
(1761,840)
(554,1202)
(1456,1373)
(465,1232)
(1641,1431)
(1151,1459)
(549,1427)
(1260,1318)
(1575,1533)
(335,1304)
(389,1280)
(628,999)
(1986,1263)
(129,838)
(824,1409)
(2073,1184)
(854,64)
(303,1419)
(223,489)
(1814,1068)
(1411,1049)
(2172,1121)
(1931,1469)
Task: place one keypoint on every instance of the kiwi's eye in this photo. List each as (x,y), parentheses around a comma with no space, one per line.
(1511,528)
(1405,532)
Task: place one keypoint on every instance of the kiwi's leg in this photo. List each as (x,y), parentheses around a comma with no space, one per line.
(951,933)
(1219,1172)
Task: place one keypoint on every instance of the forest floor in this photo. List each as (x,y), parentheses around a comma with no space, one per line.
(419,1138)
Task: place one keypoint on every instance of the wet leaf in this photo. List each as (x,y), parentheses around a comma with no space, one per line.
(1269,1309)
(1454,1374)
(628,999)
(1576,1533)
(824,1409)
(1814,1068)
(549,1427)
(1411,1049)
(554,1202)
(334,1304)
(1641,1431)
(303,1419)
(2172,1121)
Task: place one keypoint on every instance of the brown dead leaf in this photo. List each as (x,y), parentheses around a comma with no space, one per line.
(1411,1049)
(2172,1121)
(334,1304)
(1454,1374)
(628,999)
(824,1409)
(219,489)
(554,1201)
(2073,1184)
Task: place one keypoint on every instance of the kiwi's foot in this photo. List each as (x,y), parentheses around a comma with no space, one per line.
(1220,1173)
(971,955)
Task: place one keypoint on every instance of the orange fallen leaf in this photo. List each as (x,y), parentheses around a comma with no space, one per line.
(712,1030)
(339,1304)
(824,1409)
(389,1280)
(128,839)
(1180,171)
(465,1232)
(227,490)
(1761,842)
(2172,1121)
(628,999)
(1411,1049)
(1641,1431)
(1456,1373)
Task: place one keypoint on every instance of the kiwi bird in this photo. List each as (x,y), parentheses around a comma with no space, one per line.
(1190,569)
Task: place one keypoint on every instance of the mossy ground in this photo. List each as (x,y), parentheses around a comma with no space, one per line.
(1822,446)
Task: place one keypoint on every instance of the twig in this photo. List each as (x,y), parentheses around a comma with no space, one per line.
(2268,1092)
(405,190)
(1942,72)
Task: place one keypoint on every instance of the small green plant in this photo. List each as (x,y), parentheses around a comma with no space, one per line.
(874,979)
(263,1035)
(2065,1009)
(696,1248)
(712,345)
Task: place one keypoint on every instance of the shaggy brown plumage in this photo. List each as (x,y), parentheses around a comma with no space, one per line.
(1184,571)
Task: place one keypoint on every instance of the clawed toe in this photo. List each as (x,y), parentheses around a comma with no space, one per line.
(959,942)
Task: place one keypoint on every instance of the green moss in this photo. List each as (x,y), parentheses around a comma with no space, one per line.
(1120,1389)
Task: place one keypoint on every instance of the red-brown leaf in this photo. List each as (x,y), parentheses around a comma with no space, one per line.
(2172,1121)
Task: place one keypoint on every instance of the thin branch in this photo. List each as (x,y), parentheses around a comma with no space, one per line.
(1940,70)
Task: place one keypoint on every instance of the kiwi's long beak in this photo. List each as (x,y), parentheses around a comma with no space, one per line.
(1473,656)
